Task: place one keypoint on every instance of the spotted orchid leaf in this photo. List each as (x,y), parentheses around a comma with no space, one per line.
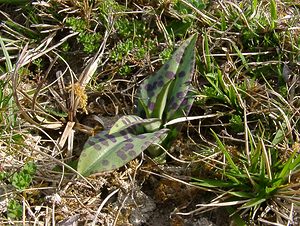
(179,70)
(105,152)
(184,107)
(161,101)
(136,123)
(178,99)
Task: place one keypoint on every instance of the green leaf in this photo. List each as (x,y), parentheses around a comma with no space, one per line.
(140,124)
(14,209)
(161,101)
(253,202)
(21,180)
(212,183)
(273,9)
(227,155)
(6,55)
(241,194)
(290,165)
(207,53)
(182,84)
(236,218)
(280,135)
(179,67)
(105,151)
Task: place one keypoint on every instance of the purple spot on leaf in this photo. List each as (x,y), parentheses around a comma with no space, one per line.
(184,102)
(181,74)
(132,153)
(91,142)
(111,138)
(123,132)
(105,143)
(122,155)
(147,143)
(126,137)
(151,106)
(174,106)
(97,146)
(149,87)
(170,74)
(180,95)
(160,83)
(128,146)
(166,66)
(141,136)
(105,162)
(101,139)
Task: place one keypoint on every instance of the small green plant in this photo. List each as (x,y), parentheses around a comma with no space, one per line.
(22,179)
(14,210)
(162,98)
(218,90)
(251,182)
(89,40)
(236,123)
(134,44)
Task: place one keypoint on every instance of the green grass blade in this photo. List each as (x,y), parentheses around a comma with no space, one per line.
(273,9)
(207,53)
(227,155)
(6,55)
(212,183)
(290,165)
(253,202)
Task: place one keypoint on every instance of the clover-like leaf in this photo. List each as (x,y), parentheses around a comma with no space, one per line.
(135,124)
(105,152)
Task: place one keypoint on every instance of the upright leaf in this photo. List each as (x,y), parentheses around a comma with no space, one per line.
(182,83)
(161,101)
(226,153)
(152,86)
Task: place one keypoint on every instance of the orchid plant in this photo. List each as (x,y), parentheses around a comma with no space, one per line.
(162,99)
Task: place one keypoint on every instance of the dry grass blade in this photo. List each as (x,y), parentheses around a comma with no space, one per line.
(79,99)
(205,18)
(23,112)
